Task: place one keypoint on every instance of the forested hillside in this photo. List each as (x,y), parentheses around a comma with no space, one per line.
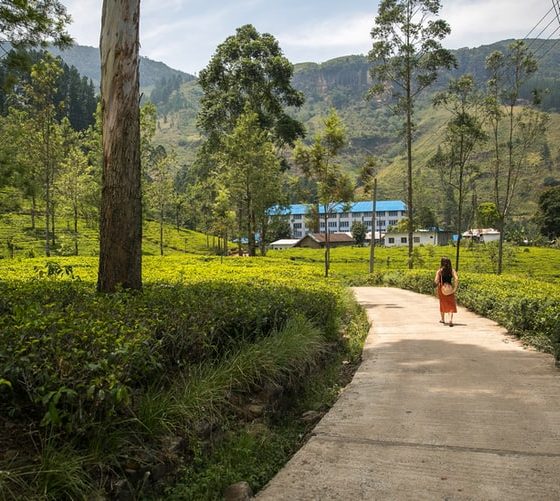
(343,83)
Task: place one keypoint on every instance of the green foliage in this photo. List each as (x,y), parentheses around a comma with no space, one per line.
(172,357)
(34,23)
(359,232)
(66,348)
(249,68)
(549,213)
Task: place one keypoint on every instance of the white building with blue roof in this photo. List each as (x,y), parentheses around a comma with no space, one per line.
(340,220)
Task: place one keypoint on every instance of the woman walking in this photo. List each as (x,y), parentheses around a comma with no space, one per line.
(447,281)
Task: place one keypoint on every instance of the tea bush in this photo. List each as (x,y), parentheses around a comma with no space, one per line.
(70,356)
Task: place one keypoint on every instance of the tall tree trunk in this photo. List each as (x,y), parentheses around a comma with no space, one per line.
(327,242)
(47,215)
(501,226)
(53,236)
(409,147)
(33,211)
(372,241)
(120,257)
(161,232)
(76,229)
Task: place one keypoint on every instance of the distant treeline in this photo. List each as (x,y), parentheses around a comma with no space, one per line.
(75,91)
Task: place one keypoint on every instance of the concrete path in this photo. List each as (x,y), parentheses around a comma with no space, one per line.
(434,412)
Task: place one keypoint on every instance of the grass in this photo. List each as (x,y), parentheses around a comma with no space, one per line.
(351,263)
(16,233)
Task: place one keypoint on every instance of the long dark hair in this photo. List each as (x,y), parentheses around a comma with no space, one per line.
(446,270)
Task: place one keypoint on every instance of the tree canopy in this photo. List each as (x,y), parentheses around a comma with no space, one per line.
(249,69)
(34,22)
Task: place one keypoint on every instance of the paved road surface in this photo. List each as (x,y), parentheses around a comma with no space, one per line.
(434,412)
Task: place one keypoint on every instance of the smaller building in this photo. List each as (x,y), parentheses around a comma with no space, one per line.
(420,237)
(317,240)
(283,243)
(482,235)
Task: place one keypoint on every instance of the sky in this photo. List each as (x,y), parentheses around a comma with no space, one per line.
(184,34)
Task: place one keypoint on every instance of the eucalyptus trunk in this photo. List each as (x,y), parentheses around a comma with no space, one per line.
(372,241)
(120,257)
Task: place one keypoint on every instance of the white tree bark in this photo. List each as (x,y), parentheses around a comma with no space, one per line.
(120,259)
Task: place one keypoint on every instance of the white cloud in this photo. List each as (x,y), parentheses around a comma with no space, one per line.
(481,21)
(343,33)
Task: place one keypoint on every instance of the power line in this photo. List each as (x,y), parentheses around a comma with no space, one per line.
(541,20)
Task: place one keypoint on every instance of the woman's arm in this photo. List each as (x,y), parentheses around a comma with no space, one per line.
(436,278)
(455,279)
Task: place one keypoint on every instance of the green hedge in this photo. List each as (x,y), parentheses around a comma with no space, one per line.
(70,356)
(527,308)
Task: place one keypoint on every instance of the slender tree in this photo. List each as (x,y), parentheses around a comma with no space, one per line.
(159,186)
(42,110)
(318,162)
(406,56)
(464,131)
(251,173)
(368,177)
(120,257)
(514,132)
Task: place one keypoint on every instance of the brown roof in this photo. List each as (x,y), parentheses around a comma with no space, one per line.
(333,237)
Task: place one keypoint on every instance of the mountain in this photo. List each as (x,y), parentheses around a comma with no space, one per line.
(342,83)
(86,60)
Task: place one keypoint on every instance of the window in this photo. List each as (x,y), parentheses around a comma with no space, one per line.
(391,240)
(381,224)
(403,240)
(297,234)
(345,215)
(323,224)
(357,215)
(393,222)
(297,226)
(380,213)
(368,223)
(298,216)
(393,213)
(332,224)
(345,224)
(403,213)
(416,240)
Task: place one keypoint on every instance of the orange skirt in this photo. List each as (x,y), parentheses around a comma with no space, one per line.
(447,304)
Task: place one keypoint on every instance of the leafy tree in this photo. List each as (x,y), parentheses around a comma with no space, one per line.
(425,217)
(368,178)
(223,218)
(249,69)
(34,22)
(251,173)
(463,132)
(359,232)
(41,115)
(487,215)
(317,162)
(74,185)
(514,133)
(548,217)
(120,257)
(407,55)
(159,189)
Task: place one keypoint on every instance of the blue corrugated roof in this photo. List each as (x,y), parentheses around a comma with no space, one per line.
(365,206)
